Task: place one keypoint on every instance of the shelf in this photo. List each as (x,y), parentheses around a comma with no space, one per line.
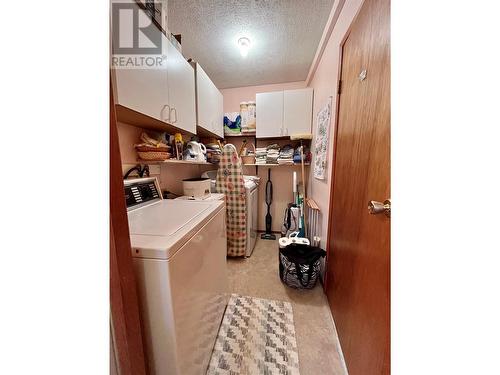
(254,135)
(202,132)
(175,161)
(282,137)
(250,135)
(276,165)
(137,119)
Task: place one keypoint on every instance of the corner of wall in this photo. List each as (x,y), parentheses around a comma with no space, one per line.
(324,80)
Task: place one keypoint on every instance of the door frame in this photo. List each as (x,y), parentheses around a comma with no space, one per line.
(125,318)
(335,131)
(331,205)
(334,156)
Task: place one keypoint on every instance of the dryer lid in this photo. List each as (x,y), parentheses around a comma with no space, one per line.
(159,230)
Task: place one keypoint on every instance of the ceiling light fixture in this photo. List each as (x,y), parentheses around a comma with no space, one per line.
(244,45)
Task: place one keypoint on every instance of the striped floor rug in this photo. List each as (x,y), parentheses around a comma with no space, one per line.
(257,336)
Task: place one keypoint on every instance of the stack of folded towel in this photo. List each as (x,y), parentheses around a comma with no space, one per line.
(247,130)
(273,152)
(260,155)
(286,155)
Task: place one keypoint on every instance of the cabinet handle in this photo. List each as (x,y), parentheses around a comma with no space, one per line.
(161,113)
(175,118)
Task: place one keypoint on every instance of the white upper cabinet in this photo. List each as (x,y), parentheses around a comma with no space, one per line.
(219,114)
(284,113)
(166,93)
(297,111)
(269,120)
(144,90)
(209,102)
(181,90)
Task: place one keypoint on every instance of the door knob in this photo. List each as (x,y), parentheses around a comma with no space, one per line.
(375,207)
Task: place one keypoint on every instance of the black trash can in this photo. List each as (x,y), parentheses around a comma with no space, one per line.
(300,265)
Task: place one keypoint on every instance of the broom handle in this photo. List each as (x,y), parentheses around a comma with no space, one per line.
(303,184)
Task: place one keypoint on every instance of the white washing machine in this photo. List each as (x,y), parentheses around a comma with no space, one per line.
(211,197)
(179,253)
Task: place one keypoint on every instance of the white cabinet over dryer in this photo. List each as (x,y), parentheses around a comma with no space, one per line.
(165,93)
(143,90)
(284,113)
(297,111)
(209,104)
(181,90)
(269,110)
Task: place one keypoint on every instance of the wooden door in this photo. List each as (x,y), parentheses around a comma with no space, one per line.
(269,112)
(297,111)
(125,317)
(358,264)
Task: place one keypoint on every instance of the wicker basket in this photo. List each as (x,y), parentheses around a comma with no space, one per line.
(249,159)
(153,153)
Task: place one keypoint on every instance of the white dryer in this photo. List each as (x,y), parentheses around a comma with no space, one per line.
(179,254)
(252,199)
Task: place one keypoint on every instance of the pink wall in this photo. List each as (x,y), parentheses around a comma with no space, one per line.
(281,176)
(233,97)
(128,135)
(170,176)
(324,82)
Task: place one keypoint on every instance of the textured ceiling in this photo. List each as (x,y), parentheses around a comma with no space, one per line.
(284,36)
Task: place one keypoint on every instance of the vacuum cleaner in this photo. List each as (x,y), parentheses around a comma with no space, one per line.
(269,199)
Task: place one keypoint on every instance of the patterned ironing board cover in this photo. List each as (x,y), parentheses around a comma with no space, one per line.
(230,182)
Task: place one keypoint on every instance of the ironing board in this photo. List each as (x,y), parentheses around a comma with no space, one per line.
(230,182)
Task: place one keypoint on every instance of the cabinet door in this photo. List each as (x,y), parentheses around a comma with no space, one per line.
(205,99)
(209,100)
(297,111)
(144,90)
(269,121)
(181,90)
(219,114)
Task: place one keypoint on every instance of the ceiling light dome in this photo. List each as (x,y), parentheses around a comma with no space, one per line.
(244,45)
